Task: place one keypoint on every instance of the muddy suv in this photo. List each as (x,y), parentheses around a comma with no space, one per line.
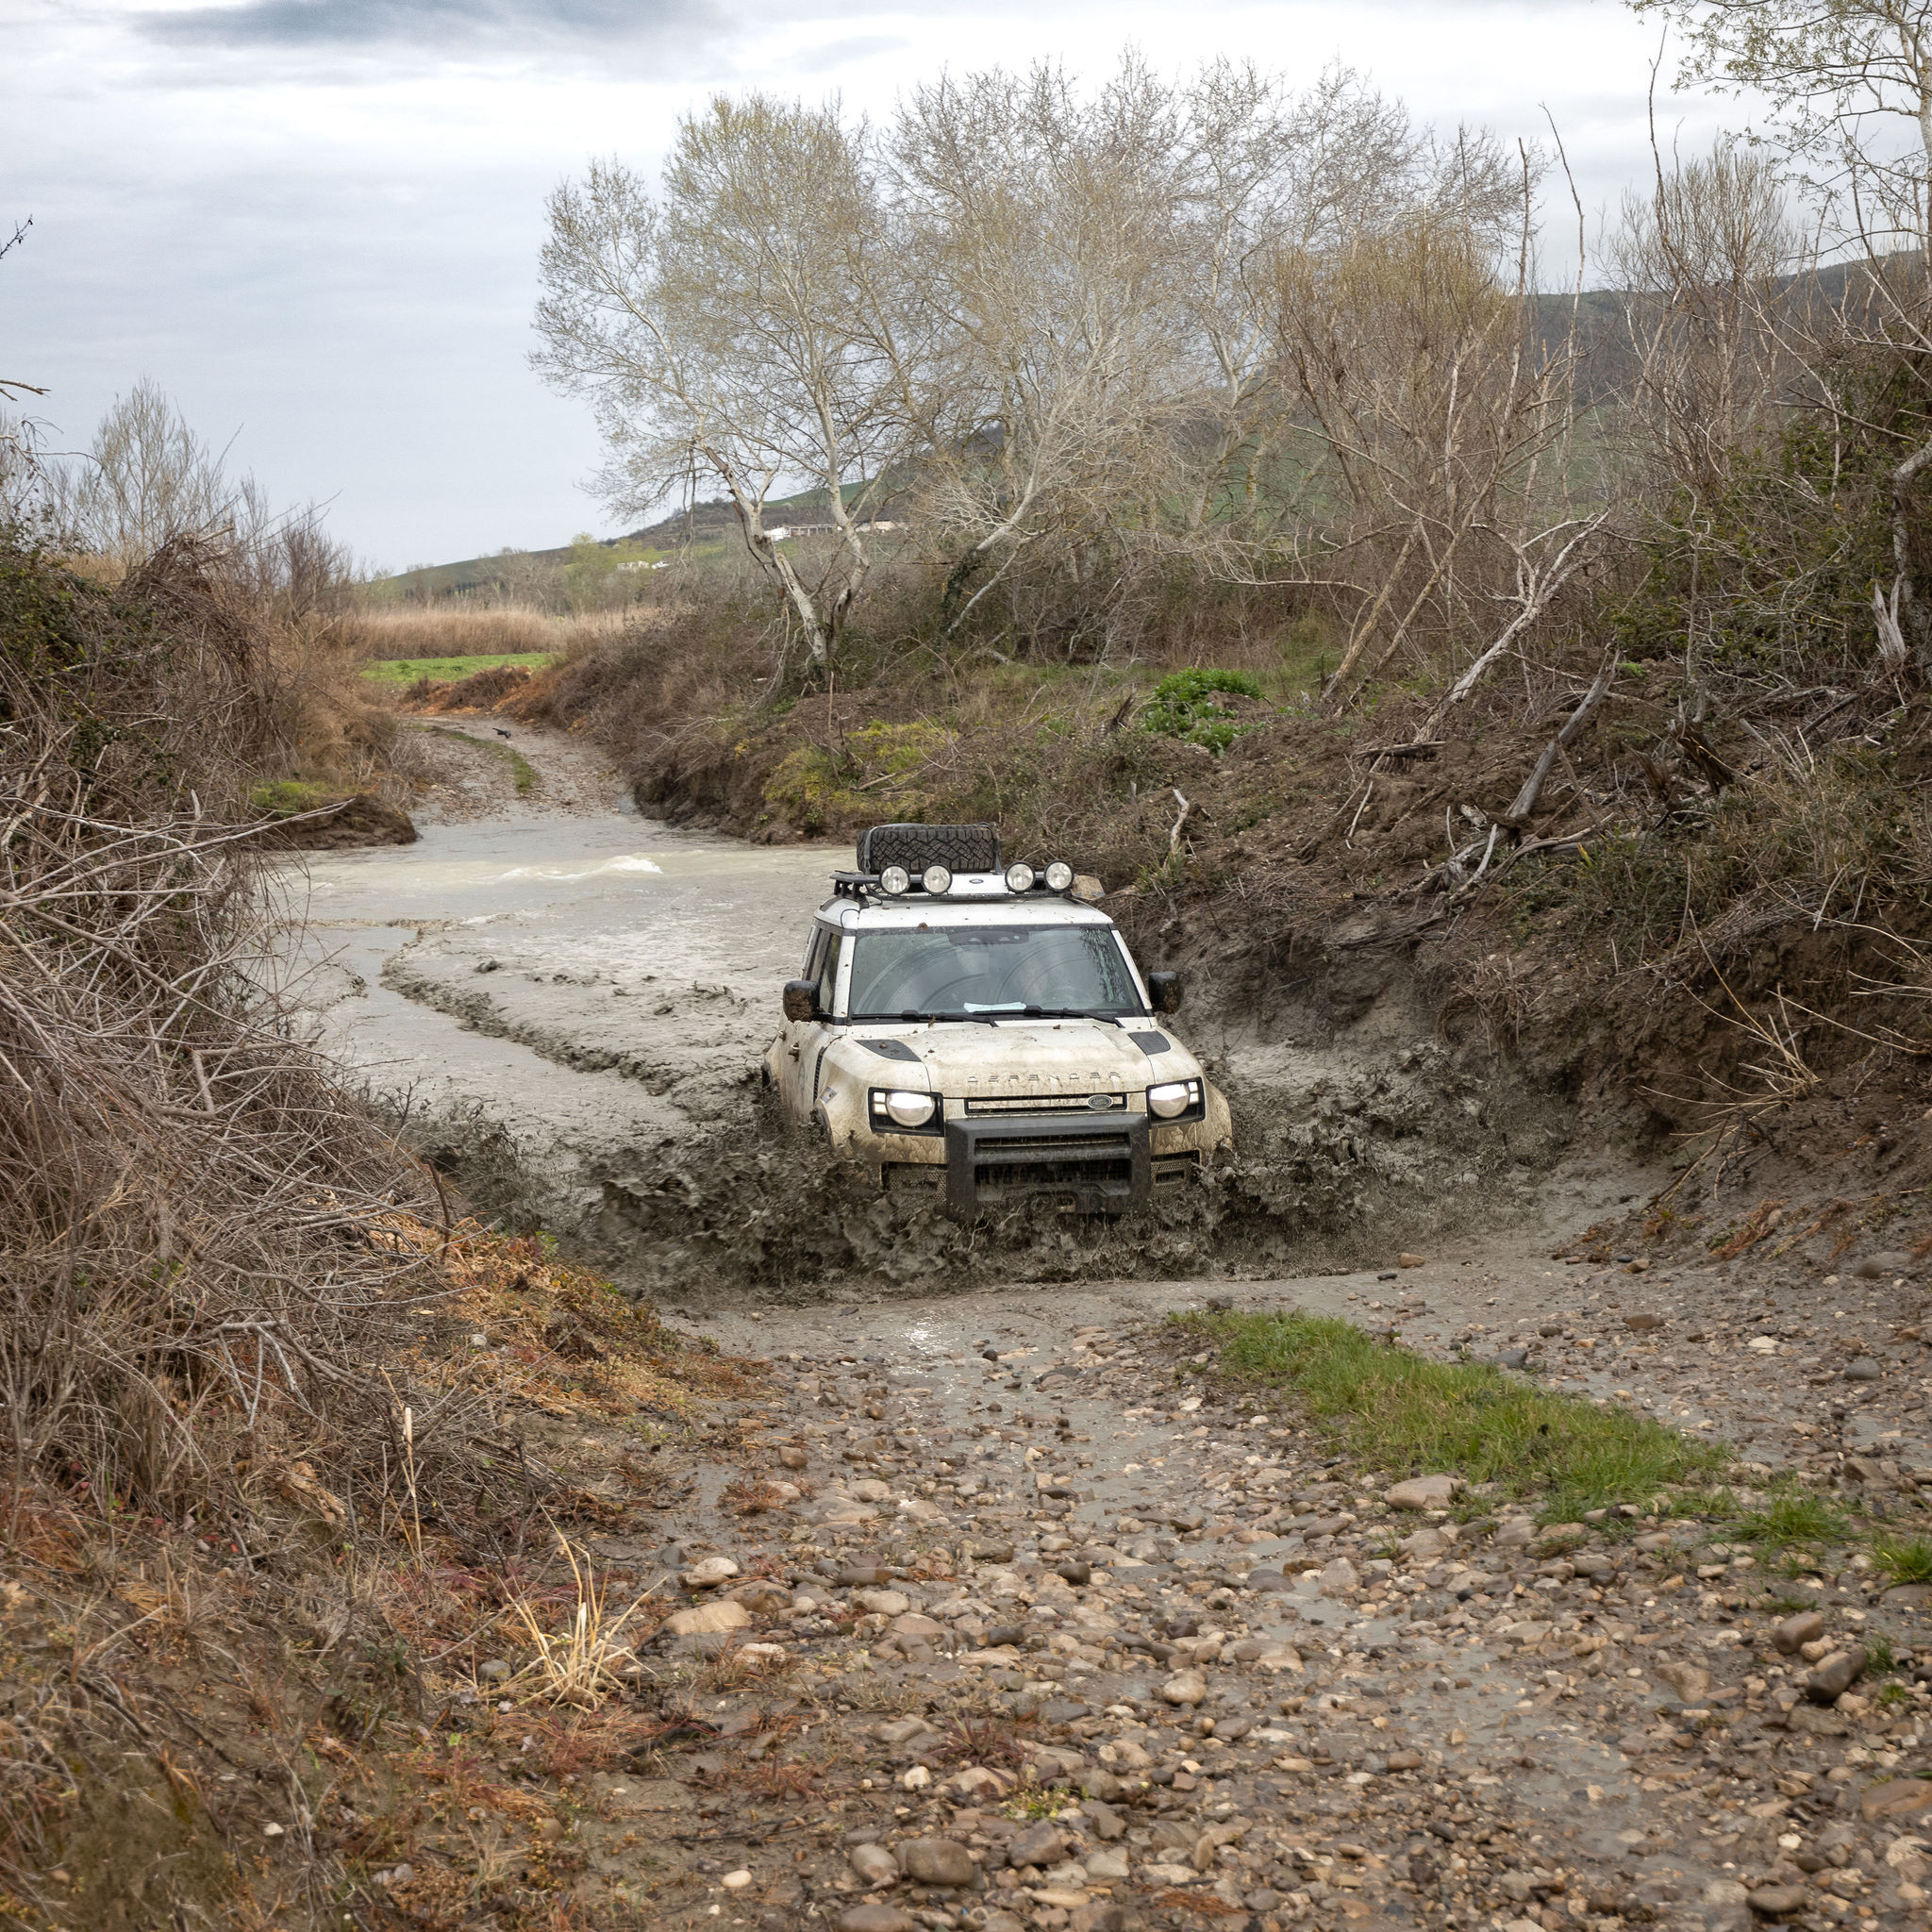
(980,1031)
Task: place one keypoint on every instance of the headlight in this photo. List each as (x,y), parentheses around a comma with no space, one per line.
(1174,1099)
(936,879)
(911,1111)
(1060,875)
(895,879)
(1019,878)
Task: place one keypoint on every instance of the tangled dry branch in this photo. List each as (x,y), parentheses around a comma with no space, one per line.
(197,1278)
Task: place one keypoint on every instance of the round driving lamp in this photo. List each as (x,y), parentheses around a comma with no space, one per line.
(909,1110)
(936,879)
(1060,875)
(895,879)
(1019,878)
(1169,1101)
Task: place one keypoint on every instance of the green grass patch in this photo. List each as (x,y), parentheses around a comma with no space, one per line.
(1904,1560)
(522,773)
(452,670)
(1788,1517)
(286,797)
(1398,1411)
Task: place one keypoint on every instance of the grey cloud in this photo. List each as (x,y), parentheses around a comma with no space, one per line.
(454,26)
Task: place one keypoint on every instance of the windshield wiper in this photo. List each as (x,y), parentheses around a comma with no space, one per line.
(1066,1013)
(910,1018)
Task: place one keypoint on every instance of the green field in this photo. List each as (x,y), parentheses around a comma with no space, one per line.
(448,670)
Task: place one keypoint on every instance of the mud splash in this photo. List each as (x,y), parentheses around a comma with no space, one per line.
(568,1008)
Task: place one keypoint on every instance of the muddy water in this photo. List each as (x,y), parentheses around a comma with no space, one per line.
(556,1000)
(569,1004)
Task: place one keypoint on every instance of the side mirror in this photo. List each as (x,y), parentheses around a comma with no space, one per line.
(801,998)
(1164,989)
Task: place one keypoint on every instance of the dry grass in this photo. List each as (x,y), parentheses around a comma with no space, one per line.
(459,630)
(585,1662)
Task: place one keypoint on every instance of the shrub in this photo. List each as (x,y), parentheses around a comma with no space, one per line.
(1189,706)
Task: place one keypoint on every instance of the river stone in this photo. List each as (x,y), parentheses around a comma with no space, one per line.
(1098,1915)
(793,1456)
(1835,1675)
(1776,1901)
(1039,1844)
(936,1861)
(1268,1581)
(1864,1370)
(913,1625)
(1424,1544)
(1899,1797)
(726,1614)
(1643,1324)
(875,1864)
(1339,1576)
(881,1603)
(870,1489)
(1184,1686)
(711,1573)
(1692,1682)
(1422,1492)
(874,1915)
(1806,1626)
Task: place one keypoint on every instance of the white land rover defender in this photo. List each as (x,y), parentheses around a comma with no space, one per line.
(976,1030)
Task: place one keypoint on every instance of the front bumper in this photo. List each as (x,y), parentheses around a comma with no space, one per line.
(1097,1164)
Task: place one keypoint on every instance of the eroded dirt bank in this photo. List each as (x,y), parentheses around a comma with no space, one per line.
(571,1003)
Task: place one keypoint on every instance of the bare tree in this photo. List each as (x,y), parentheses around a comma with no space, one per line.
(1043,231)
(743,320)
(1850,85)
(1702,261)
(147,477)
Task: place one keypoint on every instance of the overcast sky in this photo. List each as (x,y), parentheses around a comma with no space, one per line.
(315,221)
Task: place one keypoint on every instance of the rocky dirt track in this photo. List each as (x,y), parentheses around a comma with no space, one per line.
(1009,1615)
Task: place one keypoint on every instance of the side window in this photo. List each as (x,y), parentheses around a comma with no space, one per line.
(814,953)
(828,969)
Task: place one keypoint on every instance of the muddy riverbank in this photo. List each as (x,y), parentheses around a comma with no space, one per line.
(568,1004)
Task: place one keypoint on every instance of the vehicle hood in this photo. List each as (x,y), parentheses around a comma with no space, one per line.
(1018,1057)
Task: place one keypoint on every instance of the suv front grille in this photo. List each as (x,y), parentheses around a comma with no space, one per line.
(1044,1103)
(1083,1173)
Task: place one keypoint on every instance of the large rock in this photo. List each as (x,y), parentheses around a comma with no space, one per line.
(936,1861)
(1039,1844)
(1776,1901)
(874,1915)
(1184,1686)
(726,1614)
(1692,1682)
(1422,1492)
(875,1864)
(1805,1626)
(881,1603)
(1835,1675)
(1900,1797)
(1340,1576)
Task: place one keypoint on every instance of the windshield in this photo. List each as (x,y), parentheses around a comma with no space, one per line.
(991,970)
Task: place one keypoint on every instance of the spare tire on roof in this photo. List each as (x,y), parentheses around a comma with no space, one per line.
(958,848)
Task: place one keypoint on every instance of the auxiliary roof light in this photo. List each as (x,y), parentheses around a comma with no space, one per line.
(895,879)
(936,879)
(1060,875)
(1019,878)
